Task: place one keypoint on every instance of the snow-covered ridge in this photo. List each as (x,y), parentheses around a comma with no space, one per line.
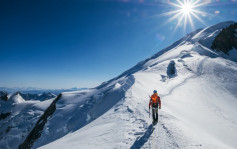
(198,93)
(211,31)
(16,98)
(204,37)
(89,104)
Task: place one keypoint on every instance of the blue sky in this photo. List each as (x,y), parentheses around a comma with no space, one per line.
(55,44)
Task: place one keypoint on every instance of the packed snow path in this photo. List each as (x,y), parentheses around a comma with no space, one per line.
(193,111)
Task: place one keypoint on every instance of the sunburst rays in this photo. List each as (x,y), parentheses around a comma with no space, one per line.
(185,11)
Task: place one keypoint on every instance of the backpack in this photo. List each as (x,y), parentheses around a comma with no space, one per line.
(154,98)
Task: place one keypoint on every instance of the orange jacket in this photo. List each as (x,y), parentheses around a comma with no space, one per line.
(154,99)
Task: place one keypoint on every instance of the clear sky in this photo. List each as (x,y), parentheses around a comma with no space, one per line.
(55,44)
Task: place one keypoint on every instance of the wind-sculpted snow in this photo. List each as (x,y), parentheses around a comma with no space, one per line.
(204,51)
(197,108)
(198,104)
(77,109)
(204,37)
(142,65)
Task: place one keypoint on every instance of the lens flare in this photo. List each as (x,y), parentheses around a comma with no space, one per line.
(185,11)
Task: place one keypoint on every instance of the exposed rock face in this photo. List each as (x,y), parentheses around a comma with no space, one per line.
(37,130)
(171,70)
(226,40)
(3,96)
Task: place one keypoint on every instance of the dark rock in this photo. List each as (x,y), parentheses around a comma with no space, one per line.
(4,115)
(3,95)
(226,40)
(171,70)
(39,126)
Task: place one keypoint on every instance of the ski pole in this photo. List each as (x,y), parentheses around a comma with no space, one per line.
(149,106)
(149,112)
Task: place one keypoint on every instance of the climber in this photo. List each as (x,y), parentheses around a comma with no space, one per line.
(154,102)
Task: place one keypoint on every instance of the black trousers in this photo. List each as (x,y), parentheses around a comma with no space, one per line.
(155,113)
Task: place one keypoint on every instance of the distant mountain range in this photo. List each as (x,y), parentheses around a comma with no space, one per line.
(25,96)
(32,90)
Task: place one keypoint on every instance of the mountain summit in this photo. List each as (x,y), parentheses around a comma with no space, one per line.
(197,86)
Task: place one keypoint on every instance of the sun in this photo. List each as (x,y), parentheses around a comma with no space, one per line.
(185,11)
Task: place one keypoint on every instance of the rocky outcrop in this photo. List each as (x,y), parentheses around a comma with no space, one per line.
(39,126)
(226,40)
(3,96)
(171,70)
(4,115)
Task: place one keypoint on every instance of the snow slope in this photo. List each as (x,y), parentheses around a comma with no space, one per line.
(21,118)
(16,98)
(198,90)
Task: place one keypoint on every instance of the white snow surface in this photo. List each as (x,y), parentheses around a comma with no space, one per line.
(22,118)
(198,110)
(198,104)
(16,98)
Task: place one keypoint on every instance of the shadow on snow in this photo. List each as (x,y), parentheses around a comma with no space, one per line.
(140,141)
